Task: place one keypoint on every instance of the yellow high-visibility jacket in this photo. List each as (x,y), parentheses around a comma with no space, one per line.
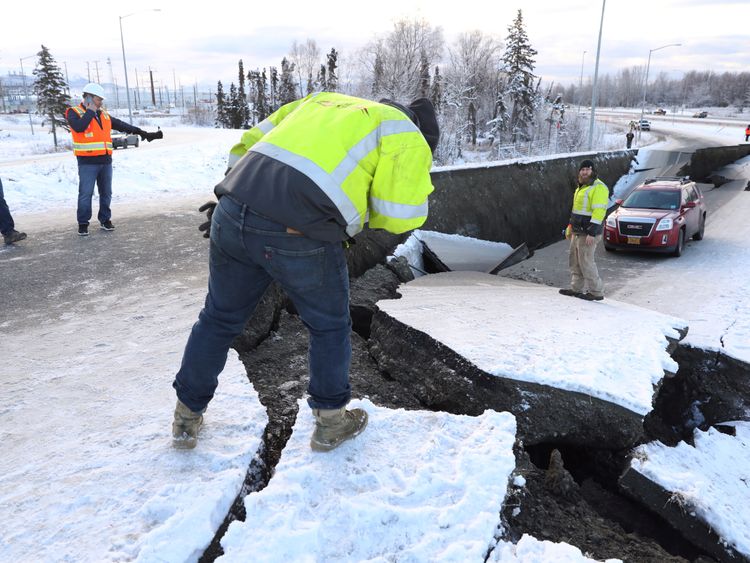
(589,208)
(328,163)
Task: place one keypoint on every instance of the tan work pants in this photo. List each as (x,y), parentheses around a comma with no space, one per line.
(583,271)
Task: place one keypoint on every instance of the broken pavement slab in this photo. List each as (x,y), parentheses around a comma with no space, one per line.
(465,342)
(688,486)
(448,252)
(415,485)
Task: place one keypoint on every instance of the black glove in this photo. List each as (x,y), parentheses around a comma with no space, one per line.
(141,133)
(151,136)
(208,207)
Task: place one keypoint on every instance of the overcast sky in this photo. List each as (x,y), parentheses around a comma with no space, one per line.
(203,44)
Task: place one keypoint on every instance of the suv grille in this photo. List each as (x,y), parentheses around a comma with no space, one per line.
(636,227)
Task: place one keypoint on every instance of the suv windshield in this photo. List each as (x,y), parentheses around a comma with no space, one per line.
(653,199)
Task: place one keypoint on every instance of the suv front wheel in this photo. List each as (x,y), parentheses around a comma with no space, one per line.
(680,244)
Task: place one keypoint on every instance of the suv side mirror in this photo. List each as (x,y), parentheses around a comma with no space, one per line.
(689,205)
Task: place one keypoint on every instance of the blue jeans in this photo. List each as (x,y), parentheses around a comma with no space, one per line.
(6,221)
(88,174)
(247,253)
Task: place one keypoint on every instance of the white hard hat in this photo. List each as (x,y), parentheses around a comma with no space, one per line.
(94,89)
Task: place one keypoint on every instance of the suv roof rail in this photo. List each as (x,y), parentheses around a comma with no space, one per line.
(680,179)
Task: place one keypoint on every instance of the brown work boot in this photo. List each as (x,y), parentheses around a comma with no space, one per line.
(334,426)
(186,426)
(13,236)
(590,296)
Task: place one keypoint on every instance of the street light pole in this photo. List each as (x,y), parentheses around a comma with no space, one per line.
(580,84)
(648,66)
(26,92)
(124,63)
(595,91)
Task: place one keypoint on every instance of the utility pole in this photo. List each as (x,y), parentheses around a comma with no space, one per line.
(96,65)
(153,95)
(595,92)
(137,90)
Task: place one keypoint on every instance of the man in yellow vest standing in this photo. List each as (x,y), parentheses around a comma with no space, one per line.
(585,231)
(91,127)
(301,183)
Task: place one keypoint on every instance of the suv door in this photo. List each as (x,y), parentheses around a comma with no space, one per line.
(692,216)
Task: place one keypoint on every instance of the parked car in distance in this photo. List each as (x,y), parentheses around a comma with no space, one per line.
(658,216)
(644,125)
(660,111)
(701,114)
(121,140)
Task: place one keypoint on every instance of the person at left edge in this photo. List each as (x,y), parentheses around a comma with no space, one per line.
(91,127)
(7,225)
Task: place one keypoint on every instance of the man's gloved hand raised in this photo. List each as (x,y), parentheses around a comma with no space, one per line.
(208,207)
(145,136)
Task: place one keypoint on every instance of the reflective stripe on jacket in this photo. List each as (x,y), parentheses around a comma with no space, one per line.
(96,139)
(589,208)
(367,158)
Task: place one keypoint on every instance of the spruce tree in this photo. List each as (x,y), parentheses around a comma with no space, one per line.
(261,101)
(288,87)
(332,82)
(221,110)
(253,77)
(424,75)
(50,91)
(243,111)
(234,114)
(310,84)
(273,94)
(321,81)
(436,91)
(519,65)
(378,77)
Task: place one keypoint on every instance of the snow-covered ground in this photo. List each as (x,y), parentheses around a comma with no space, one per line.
(87,472)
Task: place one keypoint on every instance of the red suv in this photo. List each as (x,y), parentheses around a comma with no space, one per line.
(659,215)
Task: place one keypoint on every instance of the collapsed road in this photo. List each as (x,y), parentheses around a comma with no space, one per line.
(571,491)
(571,456)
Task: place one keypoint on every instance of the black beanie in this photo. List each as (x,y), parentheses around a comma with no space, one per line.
(588,164)
(426,121)
(422,114)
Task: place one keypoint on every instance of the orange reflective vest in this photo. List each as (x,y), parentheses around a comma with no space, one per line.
(95,140)
(747,130)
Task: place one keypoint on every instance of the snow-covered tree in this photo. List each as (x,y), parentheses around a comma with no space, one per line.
(306,57)
(436,91)
(50,90)
(395,61)
(424,76)
(321,80)
(519,66)
(378,72)
(473,71)
(332,80)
